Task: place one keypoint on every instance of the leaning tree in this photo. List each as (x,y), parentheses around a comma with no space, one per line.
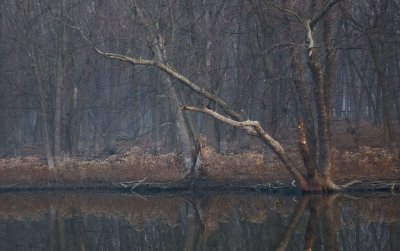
(314,130)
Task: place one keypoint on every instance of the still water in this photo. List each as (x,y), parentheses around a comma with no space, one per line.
(113,221)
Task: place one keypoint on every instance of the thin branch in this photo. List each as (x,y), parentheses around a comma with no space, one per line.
(329,6)
(283,45)
(167,69)
(176,75)
(291,12)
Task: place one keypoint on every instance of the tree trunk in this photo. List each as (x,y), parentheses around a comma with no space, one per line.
(158,48)
(358,93)
(58,106)
(330,67)
(186,143)
(397,87)
(309,142)
(60,81)
(211,129)
(386,97)
(45,109)
(306,111)
(324,161)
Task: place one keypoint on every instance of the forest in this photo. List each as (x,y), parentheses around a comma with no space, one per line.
(136,92)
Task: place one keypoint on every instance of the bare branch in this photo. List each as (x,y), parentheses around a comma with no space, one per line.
(327,8)
(176,75)
(245,125)
(289,11)
(254,128)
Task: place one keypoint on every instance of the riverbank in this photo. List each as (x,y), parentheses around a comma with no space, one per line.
(363,160)
(137,171)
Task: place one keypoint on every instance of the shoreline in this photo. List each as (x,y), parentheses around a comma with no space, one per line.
(197,186)
(159,187)
(366,169)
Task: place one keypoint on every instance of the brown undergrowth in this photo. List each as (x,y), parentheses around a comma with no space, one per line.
(249,165)
(130,166)
(351,162)
(367,162)
(137,165)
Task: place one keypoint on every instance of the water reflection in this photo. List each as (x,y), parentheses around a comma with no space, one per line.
(98,221)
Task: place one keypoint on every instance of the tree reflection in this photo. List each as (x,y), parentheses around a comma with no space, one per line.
(329,220)
(207,222)
(301,206)
(321,215)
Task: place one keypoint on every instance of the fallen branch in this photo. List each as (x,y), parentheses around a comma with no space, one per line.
(135,183)
(373,184)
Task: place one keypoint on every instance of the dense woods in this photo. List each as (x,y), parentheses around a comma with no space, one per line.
(281,64)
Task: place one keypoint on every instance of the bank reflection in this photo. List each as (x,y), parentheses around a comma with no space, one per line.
(98,221)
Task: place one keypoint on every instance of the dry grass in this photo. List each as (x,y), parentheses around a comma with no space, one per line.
(366,162)
(137,165)
(249,165)
(130,166)
(134,165)
(351,162)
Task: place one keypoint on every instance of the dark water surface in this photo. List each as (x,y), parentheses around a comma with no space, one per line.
(112,221)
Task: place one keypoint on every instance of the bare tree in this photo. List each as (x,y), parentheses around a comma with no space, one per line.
(261,65)
(319,176)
